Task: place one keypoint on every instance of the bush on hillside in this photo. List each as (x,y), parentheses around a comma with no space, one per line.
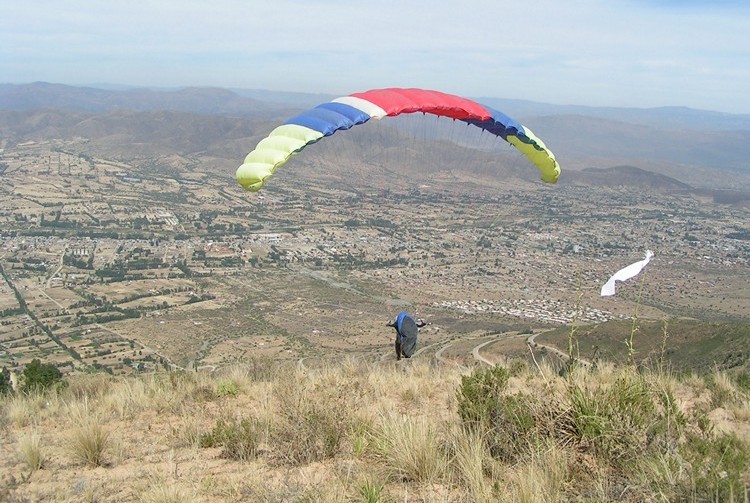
(480,393)
(620,427)
(239,439)
(6,386)
(314,418)
(38,376)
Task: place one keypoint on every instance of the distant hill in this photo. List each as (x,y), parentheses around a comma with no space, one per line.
(584,137)
(242,101)
(198,100)
(125,133)
(695,147)
(629,176)
(679,118)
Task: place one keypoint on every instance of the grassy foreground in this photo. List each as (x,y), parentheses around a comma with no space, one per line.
(388,433)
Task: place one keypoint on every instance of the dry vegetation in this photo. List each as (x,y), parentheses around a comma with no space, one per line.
(363,432)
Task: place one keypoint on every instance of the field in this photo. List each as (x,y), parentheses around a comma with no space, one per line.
(153,263)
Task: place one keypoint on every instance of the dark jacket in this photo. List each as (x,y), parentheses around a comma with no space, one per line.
(397,325)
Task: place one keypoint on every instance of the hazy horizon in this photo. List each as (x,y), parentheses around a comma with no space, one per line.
(624,53)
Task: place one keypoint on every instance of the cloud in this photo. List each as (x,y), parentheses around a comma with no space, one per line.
(589,51)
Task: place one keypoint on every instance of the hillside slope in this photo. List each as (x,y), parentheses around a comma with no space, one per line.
(358,432)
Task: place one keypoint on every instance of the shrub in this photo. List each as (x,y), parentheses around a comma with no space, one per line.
(239,439)
(6,386)
(617,423)
(719,465)
(511,425)
(627,420)
(520,424)
(313,419)
(742,380)
(39,376)
(479,394)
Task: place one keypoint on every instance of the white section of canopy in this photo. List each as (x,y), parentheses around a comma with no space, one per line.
(625,274)
(367,107)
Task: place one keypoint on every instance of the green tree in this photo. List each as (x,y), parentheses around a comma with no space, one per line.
(39,376)
(6,387)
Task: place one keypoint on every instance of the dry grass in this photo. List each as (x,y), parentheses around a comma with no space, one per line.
(314,417)
(127,398)
(88,443)
(741,411)
(22,409)
(724,392)
(541,479)
(88,439)
(187,430)
(30,450)
(160,490)
(410,447)
(376,432)
(472,464)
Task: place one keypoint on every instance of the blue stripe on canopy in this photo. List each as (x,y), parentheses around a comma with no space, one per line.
(328,120)
(500,125)
(355,115)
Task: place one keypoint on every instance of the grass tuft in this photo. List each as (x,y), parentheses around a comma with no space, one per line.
(29,447)
(541,479)
(409,447)
(314,417)
(239,440)
(371,492)
(160,491)
(227,388)
(472,464)
(88,443)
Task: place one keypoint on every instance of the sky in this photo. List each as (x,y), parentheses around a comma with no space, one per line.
(620,53)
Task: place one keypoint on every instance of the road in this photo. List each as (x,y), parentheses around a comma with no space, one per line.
(475,351)
(57,271)
(531,341)
(480,358)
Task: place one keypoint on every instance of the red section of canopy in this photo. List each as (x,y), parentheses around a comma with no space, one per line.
(403,101)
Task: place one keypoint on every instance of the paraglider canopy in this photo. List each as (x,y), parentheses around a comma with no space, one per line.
(345,112)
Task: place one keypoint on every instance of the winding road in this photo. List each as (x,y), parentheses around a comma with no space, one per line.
(531,341)
(475,352)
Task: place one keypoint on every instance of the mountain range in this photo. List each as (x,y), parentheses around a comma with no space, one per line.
(696,147)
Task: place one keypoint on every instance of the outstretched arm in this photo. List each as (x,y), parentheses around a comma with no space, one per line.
(421,322)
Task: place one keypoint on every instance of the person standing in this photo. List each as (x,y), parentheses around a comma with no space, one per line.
(407,330)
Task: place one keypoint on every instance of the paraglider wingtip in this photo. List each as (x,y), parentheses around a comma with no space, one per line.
(254,187)
(251,186)
(553,175)
(252,175)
